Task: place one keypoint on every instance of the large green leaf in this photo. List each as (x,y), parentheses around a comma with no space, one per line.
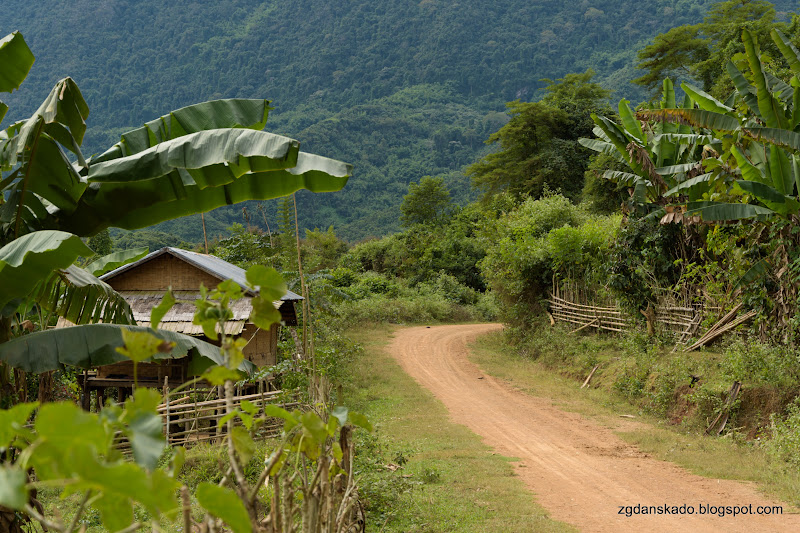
(720,211)
(705,100)
(743,88)
(16,61)
(94,345)
(676,169)
(124,206)
(693,117)
(109,262)
(13,487)
(780,169)
(770,197)
(44,175)
(225,505)
(26,261)
(65,105)
(214,114)
(787,49)
(782,137)
(629,121)
(771,110)
(602,147)
(81,298)
(749,171)
(691,139)
(615,136)
(223,154)
(688,184)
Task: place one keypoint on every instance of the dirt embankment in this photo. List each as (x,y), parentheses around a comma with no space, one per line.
(581,472)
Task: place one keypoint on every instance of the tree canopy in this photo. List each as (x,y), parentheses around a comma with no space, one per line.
(538,147)
(700,51)
(427,202)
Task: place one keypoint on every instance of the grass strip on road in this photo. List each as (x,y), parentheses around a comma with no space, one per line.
(447,479)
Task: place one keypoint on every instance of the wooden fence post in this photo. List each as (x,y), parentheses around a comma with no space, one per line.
(166,401)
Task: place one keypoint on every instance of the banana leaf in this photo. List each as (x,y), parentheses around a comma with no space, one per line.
(686,138)
(693,117)
(746,91)
(602,147)
(781,137)
(626,178)
(16,60)
(787,49)
(26,261)
(101,206)
(214,114)
(688,184)
(617,137)
(676,169)
(771,110)
(81,298)
(705,100)
(749,171)
(109,262)
(780,170)
(95,345)
(629,121)
(755,272)
(770,197)
(720,211)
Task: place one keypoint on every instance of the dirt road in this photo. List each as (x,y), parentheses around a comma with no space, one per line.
(581,472)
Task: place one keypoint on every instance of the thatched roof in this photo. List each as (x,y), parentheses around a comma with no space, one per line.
(179,318)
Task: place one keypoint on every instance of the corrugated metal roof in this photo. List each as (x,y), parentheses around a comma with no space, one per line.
(210,264)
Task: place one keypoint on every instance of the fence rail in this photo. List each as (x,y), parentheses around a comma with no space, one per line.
(191,417)
(680,320)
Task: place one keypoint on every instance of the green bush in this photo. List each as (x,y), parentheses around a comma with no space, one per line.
(760,364)
(449,288)
(416,309)
(785,431)
(538,241)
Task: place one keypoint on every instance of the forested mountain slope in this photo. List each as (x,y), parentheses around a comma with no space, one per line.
(399,88)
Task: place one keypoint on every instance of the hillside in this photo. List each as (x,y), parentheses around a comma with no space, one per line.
(400,89)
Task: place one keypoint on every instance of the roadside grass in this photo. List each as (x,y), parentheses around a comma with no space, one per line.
(420,471)
(729,457)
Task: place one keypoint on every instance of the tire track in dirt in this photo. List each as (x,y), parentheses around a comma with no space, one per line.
(579,471)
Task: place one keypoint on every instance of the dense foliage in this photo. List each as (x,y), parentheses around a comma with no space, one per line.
(408,89)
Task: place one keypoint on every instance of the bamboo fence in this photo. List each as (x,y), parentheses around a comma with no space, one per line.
(191,417)
(675,313)
(574,304)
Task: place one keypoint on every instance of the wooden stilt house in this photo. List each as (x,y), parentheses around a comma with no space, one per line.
(143,284)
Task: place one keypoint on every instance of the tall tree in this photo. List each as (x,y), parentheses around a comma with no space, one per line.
(539,147)
(701,51)
(427,202)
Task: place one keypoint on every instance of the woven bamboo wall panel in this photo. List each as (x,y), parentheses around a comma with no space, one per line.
(262,348)
(160,273)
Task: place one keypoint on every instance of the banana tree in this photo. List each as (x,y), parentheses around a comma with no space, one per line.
(757,171)
(190,161)
(661,155)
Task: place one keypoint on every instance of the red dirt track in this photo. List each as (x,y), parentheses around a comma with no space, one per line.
(578,470)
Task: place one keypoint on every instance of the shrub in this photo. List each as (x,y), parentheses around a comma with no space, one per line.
(760,364)
(785,431)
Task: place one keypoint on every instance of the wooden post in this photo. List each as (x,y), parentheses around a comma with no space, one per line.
(650,317)
(166,401)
